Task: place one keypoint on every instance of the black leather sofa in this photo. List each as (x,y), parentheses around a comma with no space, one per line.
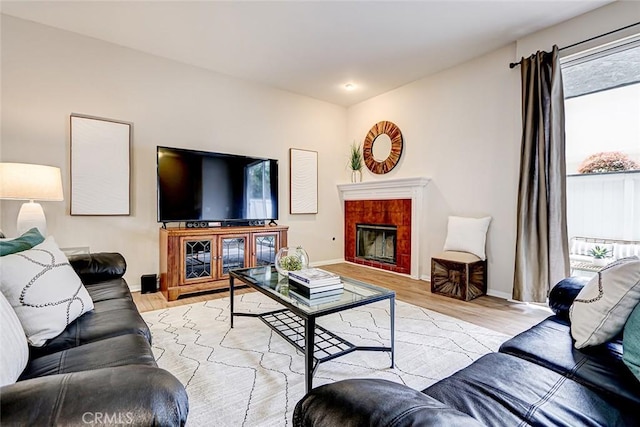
(537,378)
(100,370)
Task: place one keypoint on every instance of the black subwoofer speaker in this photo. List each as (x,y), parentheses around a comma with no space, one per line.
(149,283)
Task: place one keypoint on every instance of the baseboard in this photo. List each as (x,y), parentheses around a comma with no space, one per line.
(326,262)
(498,294)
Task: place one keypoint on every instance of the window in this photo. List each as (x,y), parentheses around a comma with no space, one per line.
(602,125)
(602,104)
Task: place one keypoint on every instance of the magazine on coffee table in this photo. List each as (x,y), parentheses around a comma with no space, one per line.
(314,276)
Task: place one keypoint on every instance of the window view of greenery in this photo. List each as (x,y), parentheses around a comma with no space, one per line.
(602,128)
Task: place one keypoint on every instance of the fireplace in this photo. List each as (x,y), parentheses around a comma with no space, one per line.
(397,202)
(376,242)
(378,233)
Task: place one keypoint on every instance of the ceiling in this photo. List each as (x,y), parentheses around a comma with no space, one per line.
(311,48)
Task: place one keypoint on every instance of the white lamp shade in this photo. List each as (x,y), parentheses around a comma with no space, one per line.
(23,181)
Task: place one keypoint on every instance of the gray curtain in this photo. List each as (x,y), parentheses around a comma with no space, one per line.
(542,254)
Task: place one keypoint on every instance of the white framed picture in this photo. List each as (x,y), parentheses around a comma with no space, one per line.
(100,166)
(303,181)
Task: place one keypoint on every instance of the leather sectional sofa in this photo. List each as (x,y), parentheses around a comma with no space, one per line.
(100,370)
(536,378)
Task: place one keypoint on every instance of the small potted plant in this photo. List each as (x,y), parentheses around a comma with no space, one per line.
(599,254)
(291,259)
(356,162)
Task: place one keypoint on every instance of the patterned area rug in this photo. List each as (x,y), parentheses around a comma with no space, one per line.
(250,376)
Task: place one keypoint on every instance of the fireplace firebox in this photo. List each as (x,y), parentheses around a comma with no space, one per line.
(376,242)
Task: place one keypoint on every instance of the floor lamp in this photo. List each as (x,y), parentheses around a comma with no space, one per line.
(35,183)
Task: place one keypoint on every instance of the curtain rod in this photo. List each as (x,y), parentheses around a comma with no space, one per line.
(515,64)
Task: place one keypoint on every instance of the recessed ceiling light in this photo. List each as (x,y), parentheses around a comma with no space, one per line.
(349,86)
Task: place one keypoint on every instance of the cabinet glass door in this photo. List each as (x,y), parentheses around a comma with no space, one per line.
(197,259)
(232,253)
(265,247)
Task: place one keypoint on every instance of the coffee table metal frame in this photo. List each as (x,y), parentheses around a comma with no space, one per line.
(295,322)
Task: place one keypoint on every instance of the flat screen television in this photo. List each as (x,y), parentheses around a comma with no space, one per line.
(215,187)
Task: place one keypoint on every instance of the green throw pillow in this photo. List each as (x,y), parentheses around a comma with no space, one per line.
(631,342)
(25,242)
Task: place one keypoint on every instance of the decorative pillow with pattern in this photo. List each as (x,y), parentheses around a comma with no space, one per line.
(44,290)
(14,351)
(602,307)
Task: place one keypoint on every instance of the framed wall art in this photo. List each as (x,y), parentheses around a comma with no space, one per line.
(100,166)
(303,181)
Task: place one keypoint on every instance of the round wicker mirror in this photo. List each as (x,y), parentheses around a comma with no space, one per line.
(382,166)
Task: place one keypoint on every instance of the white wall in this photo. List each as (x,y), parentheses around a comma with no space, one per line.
(462,129)
(47,74)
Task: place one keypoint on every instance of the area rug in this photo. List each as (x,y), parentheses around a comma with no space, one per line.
(250,376)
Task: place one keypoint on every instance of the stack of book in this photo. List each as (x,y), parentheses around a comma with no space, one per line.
(314,286)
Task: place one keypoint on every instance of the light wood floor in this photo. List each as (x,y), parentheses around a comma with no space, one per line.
(494,313)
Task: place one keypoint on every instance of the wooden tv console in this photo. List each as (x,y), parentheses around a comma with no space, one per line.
(198,260)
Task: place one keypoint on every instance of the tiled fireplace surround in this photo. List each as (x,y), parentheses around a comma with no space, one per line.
(398,202)
(396,212)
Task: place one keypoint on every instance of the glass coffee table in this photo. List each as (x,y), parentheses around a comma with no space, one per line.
(296,323)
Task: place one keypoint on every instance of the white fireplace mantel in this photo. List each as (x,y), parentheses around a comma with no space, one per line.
(400,188)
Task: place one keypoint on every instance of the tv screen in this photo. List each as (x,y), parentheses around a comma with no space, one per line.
(206,186)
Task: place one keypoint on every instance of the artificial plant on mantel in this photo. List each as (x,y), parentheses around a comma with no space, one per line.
(356,162)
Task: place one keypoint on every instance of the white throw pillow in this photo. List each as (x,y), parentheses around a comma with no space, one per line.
(602,307)
(44,290)
(467,235)
(14,351)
